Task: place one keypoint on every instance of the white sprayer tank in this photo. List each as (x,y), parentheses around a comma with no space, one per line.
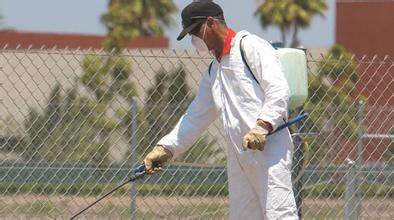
(294,65)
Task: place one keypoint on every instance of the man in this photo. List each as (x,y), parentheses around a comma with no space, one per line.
(250,103)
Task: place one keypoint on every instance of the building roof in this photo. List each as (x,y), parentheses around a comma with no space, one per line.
(34,40)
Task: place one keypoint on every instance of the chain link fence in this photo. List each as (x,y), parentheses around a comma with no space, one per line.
(73,124)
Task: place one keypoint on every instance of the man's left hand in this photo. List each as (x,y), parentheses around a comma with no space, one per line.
(256,137)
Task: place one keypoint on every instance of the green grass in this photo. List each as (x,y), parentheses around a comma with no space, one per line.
(323,213)
(323,190)
(91,189)
(335,190)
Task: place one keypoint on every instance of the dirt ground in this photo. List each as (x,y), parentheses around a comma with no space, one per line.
(63,207)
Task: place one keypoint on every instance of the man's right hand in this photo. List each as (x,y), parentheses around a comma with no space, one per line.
(158,156)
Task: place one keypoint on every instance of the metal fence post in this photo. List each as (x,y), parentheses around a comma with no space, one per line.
(134,158)
(354,177)
(359,158)
(360,134)
(351,191)
(298,160)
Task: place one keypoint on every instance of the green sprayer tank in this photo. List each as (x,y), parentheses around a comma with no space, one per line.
(294,66)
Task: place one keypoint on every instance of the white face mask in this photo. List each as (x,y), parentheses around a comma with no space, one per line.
(198,43)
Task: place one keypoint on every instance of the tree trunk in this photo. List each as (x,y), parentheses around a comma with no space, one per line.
(283,32)
(294,40)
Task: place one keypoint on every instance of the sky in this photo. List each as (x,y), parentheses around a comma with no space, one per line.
(83,16)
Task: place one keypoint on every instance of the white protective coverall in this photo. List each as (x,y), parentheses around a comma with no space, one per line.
(259,181)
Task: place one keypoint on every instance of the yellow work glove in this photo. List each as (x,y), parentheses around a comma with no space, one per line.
(156,158)
(256,137)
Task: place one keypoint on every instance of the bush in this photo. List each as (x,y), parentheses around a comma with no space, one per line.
(98,189)
(326,190)
(336,190)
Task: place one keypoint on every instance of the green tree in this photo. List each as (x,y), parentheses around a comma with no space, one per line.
(166,102)
(333,101)
(289,16)
(68,130)
(11,135)
(108,77)
(205,150)
(127,19)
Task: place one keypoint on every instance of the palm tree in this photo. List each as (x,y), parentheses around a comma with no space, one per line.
(278,13)
(126,19)
(309,8)
(288,14)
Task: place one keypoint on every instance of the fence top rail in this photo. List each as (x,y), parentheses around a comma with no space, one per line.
(176,53)
(156,53)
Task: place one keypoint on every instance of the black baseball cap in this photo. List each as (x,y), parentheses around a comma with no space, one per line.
(196,13)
